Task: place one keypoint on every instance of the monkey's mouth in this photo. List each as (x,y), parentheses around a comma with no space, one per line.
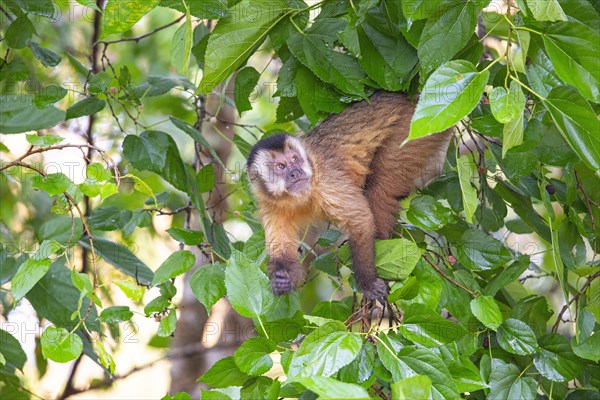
(298,185)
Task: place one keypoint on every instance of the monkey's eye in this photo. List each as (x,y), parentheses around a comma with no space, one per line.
(294,158)
(280,166)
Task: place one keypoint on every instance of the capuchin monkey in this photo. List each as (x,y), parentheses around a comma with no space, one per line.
(352,171)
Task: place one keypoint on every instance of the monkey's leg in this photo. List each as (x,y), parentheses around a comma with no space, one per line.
(397,171)
(286,272)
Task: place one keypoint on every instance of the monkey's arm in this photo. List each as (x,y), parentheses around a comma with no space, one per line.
(352,213)
(286,272)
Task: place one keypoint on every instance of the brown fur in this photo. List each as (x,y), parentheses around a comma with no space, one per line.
(360,171)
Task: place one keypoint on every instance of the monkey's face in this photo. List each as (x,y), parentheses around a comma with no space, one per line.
(289,172)
(282,171)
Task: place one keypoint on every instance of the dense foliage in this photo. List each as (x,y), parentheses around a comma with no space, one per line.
(477,252)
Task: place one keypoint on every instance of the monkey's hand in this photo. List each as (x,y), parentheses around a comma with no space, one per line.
(285,275)
(376,289)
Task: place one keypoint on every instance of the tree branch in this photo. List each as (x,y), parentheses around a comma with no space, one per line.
(587,283)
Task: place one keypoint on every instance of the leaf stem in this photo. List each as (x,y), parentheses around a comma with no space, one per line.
(295,25)
(497,60)
(448,278)
(516,79)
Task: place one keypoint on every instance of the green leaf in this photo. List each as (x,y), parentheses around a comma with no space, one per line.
(396,258)
(423,289)
(188,237)
(131,289)
(157,305)
(206,176)
(115,314)
(157,152)
(19,114)
(175,265)
(49,95)
(478,251)
(253,358)
(181,44)
(198,138)
(167,325)
(577,123)
(205,9)
(523,208)
(245,82)
(104,357)
(416,387)
(122,259)
(546,10)
(586,343)
(446,33)
(52,184)
(427,213)
(47,57)
(159,85)
(589,348)
(55,298)
(466,375)
(43,8)
(555,360)
(424,326)
(465,168)
(90,105)
(208,284)
(487,311)
(329,388)
(19,33)
(325,351)
(450,94)
(534,311)
(224,373)
(89,3)
(29,273)
(236,37)
(59,345)
(316,53)
(388,345)
(97,172)
(120,15)
(507,105)
(43,141)
(247,286)
(361,368)
(512,134)
(574,50)
(419,9)
(507,382)
(335,310)
(81,69)
(99,82)
(516,337)
(422,361)
(12,351)
(316,98)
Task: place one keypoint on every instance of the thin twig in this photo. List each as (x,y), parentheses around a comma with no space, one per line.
(31,152)
(138,38)
(447,277)
(587,283)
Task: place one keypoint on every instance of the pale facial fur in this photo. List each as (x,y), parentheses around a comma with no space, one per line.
(265,169)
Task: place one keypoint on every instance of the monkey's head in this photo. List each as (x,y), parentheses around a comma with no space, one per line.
(278,166)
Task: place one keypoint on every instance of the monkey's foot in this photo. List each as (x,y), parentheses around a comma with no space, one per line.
(377,290)
(281,282)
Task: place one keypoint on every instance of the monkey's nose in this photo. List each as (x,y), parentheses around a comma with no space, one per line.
(295,174)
